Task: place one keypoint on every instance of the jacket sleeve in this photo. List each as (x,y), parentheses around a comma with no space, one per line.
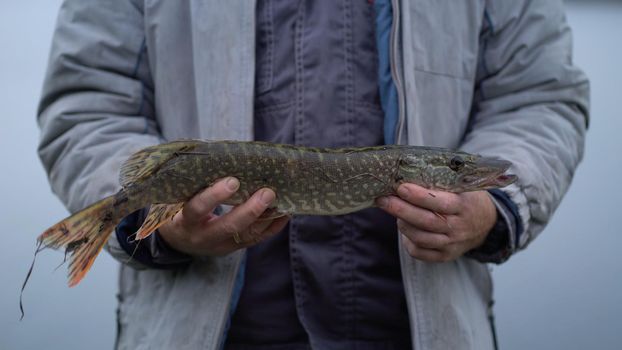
(530,107)
(97,101)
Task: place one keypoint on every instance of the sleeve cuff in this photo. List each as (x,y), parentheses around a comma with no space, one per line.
(503,238)
(152,251)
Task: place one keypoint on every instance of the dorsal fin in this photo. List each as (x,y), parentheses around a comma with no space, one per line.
(148,160)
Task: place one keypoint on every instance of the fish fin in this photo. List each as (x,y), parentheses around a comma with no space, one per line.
(148,160)
(83,235)
(271,214)
(158,215)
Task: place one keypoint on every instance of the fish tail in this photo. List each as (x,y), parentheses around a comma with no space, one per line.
(83,235)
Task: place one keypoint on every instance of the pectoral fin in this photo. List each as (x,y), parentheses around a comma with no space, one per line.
(158,215)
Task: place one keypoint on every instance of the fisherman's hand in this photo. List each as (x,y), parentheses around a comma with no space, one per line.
(197,231)
(439,226)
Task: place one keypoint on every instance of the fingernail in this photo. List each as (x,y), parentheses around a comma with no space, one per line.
(383,202)
(233,184)
(266,197)
(403,192)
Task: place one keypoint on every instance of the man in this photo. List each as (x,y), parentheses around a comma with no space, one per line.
(489,78)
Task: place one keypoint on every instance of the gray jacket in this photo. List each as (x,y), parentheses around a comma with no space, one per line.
(490,77)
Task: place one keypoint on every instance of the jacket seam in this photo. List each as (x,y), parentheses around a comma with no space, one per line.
(483,59)
(139,59)
(446,75)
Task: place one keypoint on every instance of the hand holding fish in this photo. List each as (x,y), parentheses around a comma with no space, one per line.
(439,226)
(197,231)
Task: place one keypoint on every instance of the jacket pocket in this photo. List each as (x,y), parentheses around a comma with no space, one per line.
(443,36)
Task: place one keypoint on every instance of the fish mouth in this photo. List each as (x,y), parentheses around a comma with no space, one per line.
(490,174)
(500,180)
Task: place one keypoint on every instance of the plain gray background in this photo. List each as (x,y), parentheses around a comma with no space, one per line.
(564,292)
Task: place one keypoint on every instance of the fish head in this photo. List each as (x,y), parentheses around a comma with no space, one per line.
(453,171)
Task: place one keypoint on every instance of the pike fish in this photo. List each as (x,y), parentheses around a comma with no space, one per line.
(310,181)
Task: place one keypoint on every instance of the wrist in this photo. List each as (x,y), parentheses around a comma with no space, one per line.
(489,218)
(497,247)
(151,251)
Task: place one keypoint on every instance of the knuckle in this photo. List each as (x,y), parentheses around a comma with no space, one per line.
(445,205)
(409,232)
(430,221)
(229,227)
(220,190)
(397,207)
(410,190)
(215,194)
(205,195)
(420,240)
(402,226)
(256,210)
(391,205)
(199,206)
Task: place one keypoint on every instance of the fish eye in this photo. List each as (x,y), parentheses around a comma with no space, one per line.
(456,163)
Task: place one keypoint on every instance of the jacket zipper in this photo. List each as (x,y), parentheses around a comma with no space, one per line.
(400,138)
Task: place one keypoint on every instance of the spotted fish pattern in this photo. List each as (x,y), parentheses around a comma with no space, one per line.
(311,181)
